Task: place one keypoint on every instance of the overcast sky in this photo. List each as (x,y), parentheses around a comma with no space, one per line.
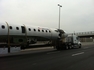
(76,15)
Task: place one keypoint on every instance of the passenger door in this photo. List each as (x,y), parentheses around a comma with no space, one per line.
(23,29)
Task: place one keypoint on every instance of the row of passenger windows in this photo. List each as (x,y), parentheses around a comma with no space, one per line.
(3,27)
(40,30)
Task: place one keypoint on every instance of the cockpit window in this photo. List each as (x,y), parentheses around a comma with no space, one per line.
(3,27)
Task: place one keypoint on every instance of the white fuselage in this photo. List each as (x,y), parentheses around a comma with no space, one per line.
(20,33)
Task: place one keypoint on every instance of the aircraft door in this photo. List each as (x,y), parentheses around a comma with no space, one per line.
(23,29)
(23,38)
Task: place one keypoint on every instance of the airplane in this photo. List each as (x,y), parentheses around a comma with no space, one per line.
(22,34)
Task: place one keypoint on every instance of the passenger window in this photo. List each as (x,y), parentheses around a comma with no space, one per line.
(3,27)
(29,29)
(42,30)
(10,27)
(38,30)
(17,28)
(49,31)
(34,29)
(46,30)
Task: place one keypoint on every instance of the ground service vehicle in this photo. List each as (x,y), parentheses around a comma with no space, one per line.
(23,35)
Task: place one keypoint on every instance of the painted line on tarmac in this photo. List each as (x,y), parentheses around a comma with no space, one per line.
(53,52)
(78,54)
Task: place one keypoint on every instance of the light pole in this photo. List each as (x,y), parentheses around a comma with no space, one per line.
(59,15)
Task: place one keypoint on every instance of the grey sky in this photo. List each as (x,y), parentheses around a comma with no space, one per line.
(76,15)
